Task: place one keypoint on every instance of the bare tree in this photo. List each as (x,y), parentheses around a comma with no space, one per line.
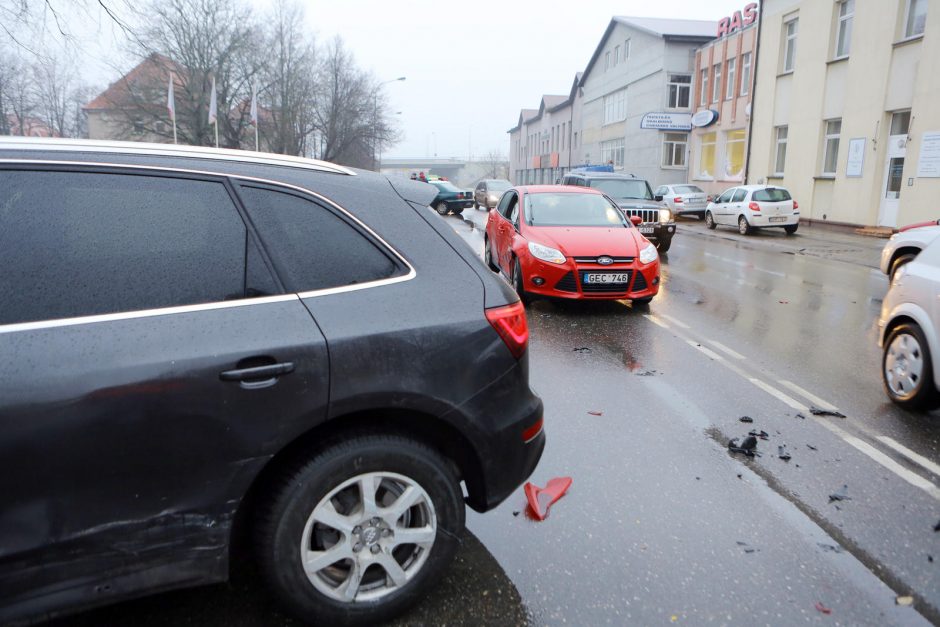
(496,164)
(53,81)
(18,98)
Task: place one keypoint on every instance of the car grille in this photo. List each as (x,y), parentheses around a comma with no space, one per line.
(605,287)
(647,215)
(567,283)
(594,259)
(639,283)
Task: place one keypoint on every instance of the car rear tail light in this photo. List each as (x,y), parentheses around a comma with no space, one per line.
(511,324)
(677,200)
(529,434)
(754,207)
(795,205)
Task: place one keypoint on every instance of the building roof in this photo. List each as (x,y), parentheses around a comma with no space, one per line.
(667,27)
(149,73)
(551,101)
(526,115)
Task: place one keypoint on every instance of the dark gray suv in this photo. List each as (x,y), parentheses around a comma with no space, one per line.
(207,350)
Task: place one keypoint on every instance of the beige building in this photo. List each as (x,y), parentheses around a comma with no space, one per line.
(847,108)
(723,83)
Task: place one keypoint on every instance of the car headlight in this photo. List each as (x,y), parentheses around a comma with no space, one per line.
(492,197)
(648,254)
(665,215)
(546,253)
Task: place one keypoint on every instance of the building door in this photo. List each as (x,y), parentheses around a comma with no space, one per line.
(894,169)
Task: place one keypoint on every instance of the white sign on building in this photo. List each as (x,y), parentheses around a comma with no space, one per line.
(853,165)
(667,121)
(928,163)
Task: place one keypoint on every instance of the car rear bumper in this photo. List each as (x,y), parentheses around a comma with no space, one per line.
(661,231)
(462,203)
(765,221)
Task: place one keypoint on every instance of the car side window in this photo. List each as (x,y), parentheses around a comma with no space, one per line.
(739,195)
(662,191)
(312,246)
(726,196)
(503,205)
(88,243)
(514,214)
(508,204)
(481,187)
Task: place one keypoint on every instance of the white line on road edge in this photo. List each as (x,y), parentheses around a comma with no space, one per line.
(656,320)
(911,477)
(707,351)
(725,349)
(678,323)
(818,402)
(908,453)
(798,406)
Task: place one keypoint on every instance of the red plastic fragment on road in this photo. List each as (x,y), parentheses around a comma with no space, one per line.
(596,413)
(541,499)
(822,608)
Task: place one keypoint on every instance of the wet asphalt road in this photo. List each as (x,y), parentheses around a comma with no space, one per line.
(662,525)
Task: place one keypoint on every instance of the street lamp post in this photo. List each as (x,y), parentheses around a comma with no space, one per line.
(375,115)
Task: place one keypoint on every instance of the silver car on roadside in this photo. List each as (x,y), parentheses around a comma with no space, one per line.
(488,192)
(684,199)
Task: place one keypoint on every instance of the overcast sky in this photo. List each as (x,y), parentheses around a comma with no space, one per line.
(469,66)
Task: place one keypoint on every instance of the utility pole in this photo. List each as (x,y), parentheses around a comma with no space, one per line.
(375,116)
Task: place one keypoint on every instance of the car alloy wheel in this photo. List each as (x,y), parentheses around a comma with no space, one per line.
(743,227)
(442,208)
(906,368)
(710,221)
(518,283)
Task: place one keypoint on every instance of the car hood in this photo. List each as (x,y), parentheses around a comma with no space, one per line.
(637,203)
(587,241)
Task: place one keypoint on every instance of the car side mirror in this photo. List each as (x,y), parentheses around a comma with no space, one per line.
(658,198)
(636,220)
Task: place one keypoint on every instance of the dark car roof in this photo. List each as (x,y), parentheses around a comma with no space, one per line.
(605,175)
(563,189)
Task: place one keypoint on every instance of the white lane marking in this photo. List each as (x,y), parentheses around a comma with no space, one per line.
(911,477)
(908,453)
(725,349)
(745,264)
(678,323)
(778,394)
(818,402)
(656,320)
(710,353)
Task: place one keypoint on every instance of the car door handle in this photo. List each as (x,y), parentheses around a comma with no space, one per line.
(258,376)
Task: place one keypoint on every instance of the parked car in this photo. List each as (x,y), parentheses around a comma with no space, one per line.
(488,191)
(906,245)
(635,198)
(202,346)
(910,332)
(684,200)
(450,197)
(569,242)
(750,207)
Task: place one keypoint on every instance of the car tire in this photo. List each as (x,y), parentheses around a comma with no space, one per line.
(663,246)
(899,261)
(710,220)
(316,511)
(488,255)
(642,301)
(743,227)
(906,369)
(518,283)
(791,228)
(476,206)
(441,208)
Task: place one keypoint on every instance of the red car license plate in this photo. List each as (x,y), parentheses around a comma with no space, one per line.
(606,278)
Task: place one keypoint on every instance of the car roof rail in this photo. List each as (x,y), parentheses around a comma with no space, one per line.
(167,150)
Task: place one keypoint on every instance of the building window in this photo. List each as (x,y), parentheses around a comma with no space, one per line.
(626,50)
(706,162)
(716,88)
(607,61)
(916,18)
(615,107)
(900,122)
(704,98)
(678,91)
(780,158)
(844,29)
(734,153)
(612,152)
(745,73)
(616,55)
(674,148)
(729,90)
(789,44)
(831,147)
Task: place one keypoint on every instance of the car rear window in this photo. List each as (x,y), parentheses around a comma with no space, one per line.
(313,247)
(688,189)
(571,210)
(771,194)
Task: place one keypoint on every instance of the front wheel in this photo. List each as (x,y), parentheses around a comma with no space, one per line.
(642,301)
(791,228)
(743,227)
(359,532)
(906,369)
(663,246)
(488,256)
(441,208)
(518,283)
(710,221)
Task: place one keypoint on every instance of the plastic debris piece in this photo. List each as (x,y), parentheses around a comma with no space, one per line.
(541,499)
(646,373)
(904,600)
(930,558)
(936,527)
(581,349)
(596,413)
(801,416)
(763,435)
(822,608)
(811,447)
(842,494)
(740,476)
(746,419)
(834,548)
(784,302)
(782,453)
(747,447)
(516,513)
(816,411)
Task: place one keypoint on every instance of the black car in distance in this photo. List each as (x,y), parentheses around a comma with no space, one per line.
(202,345)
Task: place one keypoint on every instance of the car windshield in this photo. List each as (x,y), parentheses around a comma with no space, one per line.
(771,194)
(572,210)
(688,189)
(497,186)
(445,186)
(623,188)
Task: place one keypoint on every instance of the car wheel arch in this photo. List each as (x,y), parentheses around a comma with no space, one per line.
(904,251)
(439,434)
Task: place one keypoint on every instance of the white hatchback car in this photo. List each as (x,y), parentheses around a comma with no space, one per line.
(904,246)
(909,332)
(750,207)
(684,200)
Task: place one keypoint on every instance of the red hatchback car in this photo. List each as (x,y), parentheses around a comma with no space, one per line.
(569,242)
